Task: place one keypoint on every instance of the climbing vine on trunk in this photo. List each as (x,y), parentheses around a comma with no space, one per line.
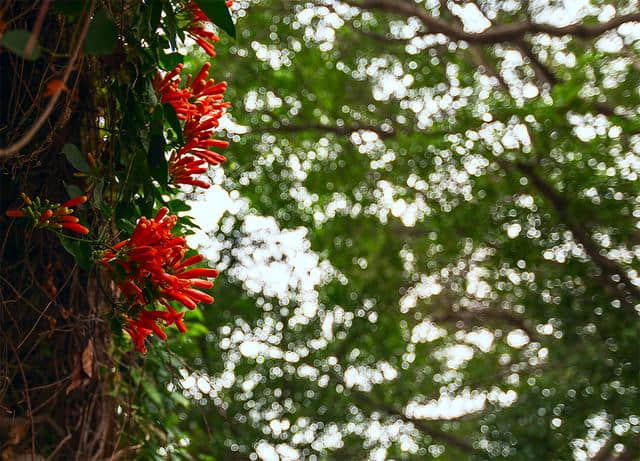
(103,135)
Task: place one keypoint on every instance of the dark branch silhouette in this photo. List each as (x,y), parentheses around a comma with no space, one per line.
(498,33)
(339,130)
(610,268)
(421,425)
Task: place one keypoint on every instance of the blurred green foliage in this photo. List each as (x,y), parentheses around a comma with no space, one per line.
(449,193)
(431,246)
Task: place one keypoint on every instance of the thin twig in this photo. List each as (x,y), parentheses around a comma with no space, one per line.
(36,28)
(59,447)
(28,399)
(35,324)
(26,138)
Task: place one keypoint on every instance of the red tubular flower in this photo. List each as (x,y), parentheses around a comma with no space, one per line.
(53,87)
(180,297)
(189,262)
(175,317)
(138,335)
(147,321)
(197,14)
(47,215)
(15,213)
(200,36)
(200,105)
(75,201)
(197,30)
(154,258)
(77,228)
(200,77)
(183,169)
(206,284)
(199,272)
(197,295)
(168,88)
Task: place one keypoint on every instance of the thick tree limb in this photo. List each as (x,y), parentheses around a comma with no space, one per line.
(495,34)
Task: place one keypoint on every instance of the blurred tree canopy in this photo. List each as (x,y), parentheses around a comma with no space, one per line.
(434,245)
(429,236)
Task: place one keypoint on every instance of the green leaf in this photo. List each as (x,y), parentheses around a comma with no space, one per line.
(125,226)
(102,35)
(174,122)
(151,94)
(96,195)
(152,392)
(196,329)
(181,399)
(196,315)
(75,157)
(186,221)
(177,205)
(146,202)
(72,190)
(140,166)
(117,325)
(157,160)
(81,251)
(218,13)
(16,41)
(170,61)
(171,25)
(155,14)
(126,214)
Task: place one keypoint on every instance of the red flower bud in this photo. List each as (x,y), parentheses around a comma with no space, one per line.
(46,215)
(199,272)
(74,227)
(75,201)
(15,213)
(161,213)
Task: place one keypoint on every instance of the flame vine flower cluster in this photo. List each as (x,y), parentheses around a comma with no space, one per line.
(154,270)
(151,267)
(197,29)
(47,215)
(199,103)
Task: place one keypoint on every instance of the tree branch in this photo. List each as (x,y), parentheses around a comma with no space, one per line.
(609,267)
(629,453)
(494,34)
(477,55)
(422,426)
(483,314)
(542,72)
(339,130)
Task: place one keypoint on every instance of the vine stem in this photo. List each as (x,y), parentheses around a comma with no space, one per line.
(26,138)
(46,307)
(36,28)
